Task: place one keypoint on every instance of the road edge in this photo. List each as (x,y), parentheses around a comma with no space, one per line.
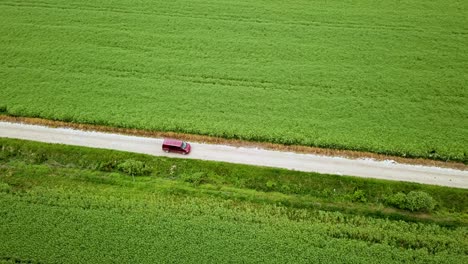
(233,142)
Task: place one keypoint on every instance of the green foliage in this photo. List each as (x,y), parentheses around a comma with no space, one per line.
(196,178)
(270,184)
(327,192)
(397,200)
(259,70)
(134,168)
(4,187)
(414,201)
(107,165)
(419,201)
(359,196)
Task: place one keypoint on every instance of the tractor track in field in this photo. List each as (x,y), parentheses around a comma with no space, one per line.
(362,167)
(348,25)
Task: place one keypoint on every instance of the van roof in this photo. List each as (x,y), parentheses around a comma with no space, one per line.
(172,142)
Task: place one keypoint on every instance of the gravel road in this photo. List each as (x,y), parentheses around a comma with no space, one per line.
(294,161)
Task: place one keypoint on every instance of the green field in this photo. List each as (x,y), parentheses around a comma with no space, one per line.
(381,76)
(62,204)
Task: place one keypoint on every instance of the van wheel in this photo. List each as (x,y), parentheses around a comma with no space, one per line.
(185,153)
(167,151)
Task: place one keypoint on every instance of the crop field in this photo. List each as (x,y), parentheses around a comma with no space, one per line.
(382,76)
(61,204)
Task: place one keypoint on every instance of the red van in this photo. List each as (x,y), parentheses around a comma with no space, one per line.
(174,145)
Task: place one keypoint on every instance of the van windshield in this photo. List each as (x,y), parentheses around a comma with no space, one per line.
(184,145)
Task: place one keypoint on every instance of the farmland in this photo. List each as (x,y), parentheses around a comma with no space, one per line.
(380,76)
(72,204)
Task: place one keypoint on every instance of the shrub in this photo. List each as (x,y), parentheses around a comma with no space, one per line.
(413,201)
(6,152)
(419,201)
(4,187)
(106,165)
(270,185)
(359,196)
(285,188)
(397,200)
(196,178)
(134,168)
(327,192)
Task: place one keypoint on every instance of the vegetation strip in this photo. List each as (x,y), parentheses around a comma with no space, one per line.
(299,189)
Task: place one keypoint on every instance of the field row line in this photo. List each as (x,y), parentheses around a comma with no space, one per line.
(231,18)
(211,80)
